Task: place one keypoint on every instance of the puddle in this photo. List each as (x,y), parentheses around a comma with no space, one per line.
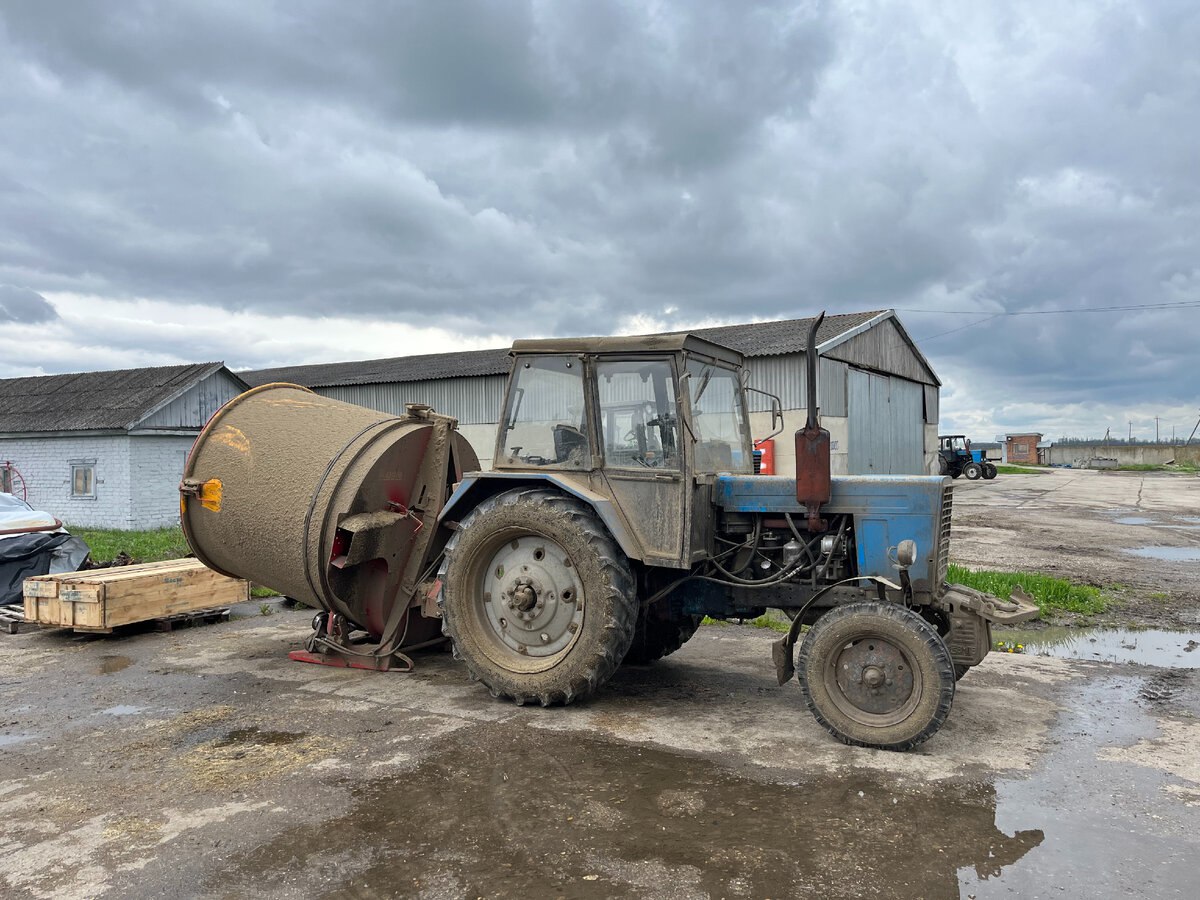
(259,738)
(1168,554)
(8,740)
(122,710)
(582,818)
(1134,520)
(1149,647)
(110,663)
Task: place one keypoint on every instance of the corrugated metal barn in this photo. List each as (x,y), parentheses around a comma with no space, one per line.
(106,449)
(878,394)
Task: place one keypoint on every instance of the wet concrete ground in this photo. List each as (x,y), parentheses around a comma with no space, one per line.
(1133,533)
(203,763)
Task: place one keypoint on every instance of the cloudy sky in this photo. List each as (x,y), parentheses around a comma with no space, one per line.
(276,183)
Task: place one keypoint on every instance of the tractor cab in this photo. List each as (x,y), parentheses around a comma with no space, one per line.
(644,425)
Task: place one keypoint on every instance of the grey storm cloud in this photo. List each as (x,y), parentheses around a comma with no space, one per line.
(24,306)
(551,167)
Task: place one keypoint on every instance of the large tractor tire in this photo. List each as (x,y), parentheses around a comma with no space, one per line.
(538,598)
(660,634)
(973,471)
(989,471)
(876,674)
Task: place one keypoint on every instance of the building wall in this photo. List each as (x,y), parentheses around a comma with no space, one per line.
(1126,455)
(45,462)
(156,465)
(195,406)
(473,400)
(1022,448)
(476,400)
(137,477)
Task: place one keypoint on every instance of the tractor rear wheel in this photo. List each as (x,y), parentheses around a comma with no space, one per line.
(658,635)
(989,471)
(538,598)
(876,675)
(973,471)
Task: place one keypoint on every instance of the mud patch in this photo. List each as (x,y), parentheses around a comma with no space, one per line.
(693,829)
(246,756)
(111,663)
(1164,687)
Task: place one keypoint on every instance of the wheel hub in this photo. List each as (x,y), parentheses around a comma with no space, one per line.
(533,597)
(874,676)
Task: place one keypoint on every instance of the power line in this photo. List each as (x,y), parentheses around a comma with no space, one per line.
(1181,304)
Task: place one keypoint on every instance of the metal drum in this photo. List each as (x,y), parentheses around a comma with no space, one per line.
(332,504)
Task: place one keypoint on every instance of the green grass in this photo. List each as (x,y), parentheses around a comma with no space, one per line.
(1018,470)
(1051,594)
(773,622)
(147,546)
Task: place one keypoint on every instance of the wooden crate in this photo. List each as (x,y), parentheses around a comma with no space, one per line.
(99,600)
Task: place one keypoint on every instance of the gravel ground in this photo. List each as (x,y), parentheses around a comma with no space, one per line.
(203,763)
(1136,530)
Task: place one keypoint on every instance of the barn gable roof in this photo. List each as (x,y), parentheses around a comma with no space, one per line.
(115,400)
(754,339)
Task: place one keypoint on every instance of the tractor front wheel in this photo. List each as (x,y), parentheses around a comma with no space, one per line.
(989,471)
(876,675)
(973,471)
(538,598)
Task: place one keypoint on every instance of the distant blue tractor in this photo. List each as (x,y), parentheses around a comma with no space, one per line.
(956,458)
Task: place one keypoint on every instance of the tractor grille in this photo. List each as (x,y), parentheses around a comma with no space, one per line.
(943,553)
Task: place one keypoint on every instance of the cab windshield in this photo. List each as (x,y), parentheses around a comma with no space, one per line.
(545,423)
(718,419)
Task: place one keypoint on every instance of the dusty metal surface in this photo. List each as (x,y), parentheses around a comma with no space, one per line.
(209,766)
(280,470)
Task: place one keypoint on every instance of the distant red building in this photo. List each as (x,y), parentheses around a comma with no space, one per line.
(1022,448)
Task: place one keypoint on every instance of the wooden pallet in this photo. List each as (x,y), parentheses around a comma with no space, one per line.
(99,600)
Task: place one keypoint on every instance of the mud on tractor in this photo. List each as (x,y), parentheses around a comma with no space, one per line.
(621,510)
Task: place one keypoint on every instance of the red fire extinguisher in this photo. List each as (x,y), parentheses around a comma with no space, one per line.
(764,454)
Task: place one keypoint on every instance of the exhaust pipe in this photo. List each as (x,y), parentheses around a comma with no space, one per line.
(813,476)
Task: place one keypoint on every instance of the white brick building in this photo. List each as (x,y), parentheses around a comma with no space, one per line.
(106,449)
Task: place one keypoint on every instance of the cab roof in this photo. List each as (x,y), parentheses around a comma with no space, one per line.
(631,344)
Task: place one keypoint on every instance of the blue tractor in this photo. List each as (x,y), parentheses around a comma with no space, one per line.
(621,510)
(956,458)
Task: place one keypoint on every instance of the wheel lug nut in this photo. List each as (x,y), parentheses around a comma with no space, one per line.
(545,637)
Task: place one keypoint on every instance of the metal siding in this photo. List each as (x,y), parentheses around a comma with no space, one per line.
(474,400)
(906,402)
(785,377)
(887,430)
(884,349)
(196,405)
(932,403)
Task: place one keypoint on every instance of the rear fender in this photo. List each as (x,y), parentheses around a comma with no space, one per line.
(479,486)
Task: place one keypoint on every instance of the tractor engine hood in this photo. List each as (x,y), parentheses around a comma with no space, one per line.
(886,510)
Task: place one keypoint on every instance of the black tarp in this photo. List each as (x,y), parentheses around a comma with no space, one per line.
(23,556)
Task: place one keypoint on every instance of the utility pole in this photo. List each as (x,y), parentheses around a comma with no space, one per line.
(1156,429)
(1130,433)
